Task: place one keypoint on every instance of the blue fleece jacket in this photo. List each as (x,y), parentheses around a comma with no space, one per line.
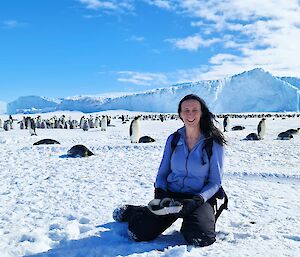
(185,172)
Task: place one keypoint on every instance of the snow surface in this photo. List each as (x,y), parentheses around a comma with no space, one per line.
(52,205)
(251,91)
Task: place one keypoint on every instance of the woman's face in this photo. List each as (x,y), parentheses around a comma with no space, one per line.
(191,113)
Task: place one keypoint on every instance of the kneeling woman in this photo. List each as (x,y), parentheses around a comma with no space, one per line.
(186,174)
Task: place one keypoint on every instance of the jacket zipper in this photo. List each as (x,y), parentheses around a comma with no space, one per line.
(187,172)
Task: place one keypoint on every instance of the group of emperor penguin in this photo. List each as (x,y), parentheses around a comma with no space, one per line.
(135,132)
(261,129)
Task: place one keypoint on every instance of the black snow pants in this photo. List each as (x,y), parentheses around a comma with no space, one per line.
(198,228)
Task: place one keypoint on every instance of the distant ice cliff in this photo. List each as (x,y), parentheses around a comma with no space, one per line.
(251,91)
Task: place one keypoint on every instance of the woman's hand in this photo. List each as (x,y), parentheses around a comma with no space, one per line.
(160,193)
(189,205)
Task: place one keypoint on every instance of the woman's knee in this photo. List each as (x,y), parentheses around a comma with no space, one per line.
(199,228)
(199,239)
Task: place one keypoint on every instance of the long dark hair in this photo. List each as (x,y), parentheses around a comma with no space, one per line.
(207,119)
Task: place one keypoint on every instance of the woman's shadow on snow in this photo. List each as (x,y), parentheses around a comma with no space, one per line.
(112,241)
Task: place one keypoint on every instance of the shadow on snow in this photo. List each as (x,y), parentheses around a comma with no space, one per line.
(111,242)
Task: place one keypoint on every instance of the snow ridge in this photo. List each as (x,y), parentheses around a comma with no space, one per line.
(251,91)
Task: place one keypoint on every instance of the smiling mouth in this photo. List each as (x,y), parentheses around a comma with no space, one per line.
(191,120)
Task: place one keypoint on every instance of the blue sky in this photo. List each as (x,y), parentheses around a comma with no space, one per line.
(59,48)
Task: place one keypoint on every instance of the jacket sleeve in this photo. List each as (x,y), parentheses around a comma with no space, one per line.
(165,166)
(215,174)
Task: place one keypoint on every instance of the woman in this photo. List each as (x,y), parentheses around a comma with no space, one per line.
(186,174)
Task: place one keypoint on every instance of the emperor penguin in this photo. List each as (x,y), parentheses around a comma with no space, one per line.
(79,151)
(146,139)
(97,122)
(161,117)
(108,120)
(226,123)
(11,119)
(284,136)
(135,129)
(46,141)
(91,121)
(43,124)
(22,124)
(6,125)
(67,125)
(85,125)
(238,127)
(81,122)
(293,131)
(103,123)
(32,127)
(261,128)
(38,121)
(252,136)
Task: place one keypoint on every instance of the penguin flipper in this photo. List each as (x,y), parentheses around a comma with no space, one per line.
(259,128)
(130,129)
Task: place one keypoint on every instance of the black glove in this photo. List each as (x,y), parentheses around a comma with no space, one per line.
(189,205)
(160,193)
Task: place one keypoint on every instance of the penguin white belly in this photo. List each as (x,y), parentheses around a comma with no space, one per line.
(103,124)
(135,129)
(261,129)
